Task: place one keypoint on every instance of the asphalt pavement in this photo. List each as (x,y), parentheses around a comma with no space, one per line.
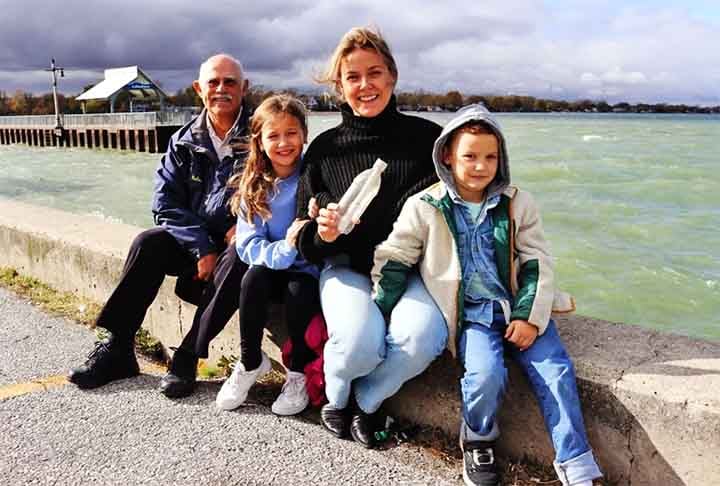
(127,433)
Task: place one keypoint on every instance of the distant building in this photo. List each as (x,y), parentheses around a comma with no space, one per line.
(312,103)
(131,80)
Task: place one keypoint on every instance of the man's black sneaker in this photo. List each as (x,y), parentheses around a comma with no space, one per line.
(180,379)
(335,420)
(479,467)
(111,360)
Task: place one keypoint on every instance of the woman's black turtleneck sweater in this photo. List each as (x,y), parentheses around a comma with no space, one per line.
(337,155)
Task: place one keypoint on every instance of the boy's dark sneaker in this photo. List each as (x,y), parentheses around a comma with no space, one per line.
(112,359)
(180,379)
(479,467)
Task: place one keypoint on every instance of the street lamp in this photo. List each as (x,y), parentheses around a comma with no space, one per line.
(58,122)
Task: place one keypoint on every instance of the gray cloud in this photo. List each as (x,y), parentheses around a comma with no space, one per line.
(564,49)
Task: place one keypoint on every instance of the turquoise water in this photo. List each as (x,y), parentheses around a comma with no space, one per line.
(630,204)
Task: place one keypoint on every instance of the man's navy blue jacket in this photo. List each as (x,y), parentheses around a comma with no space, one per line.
(190,198)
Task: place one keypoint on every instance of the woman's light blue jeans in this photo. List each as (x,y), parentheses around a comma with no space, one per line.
(362,350)
(552,378)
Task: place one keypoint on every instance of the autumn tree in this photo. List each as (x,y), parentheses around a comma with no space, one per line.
(4,104)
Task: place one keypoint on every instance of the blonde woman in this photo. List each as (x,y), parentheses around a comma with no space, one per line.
(366,359)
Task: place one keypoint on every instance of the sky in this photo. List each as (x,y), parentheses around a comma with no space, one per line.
(634,50)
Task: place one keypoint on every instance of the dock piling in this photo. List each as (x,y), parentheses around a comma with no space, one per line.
(148,132)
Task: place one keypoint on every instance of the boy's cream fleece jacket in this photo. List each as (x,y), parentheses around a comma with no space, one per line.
(422,236)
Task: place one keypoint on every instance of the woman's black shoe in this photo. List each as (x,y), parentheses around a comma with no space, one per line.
(362,428)
(335,420)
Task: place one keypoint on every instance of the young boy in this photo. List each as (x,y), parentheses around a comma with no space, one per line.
(481,252)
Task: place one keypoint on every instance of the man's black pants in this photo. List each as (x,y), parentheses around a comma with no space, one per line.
(154,254)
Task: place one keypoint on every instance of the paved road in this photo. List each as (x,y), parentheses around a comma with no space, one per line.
(127,433)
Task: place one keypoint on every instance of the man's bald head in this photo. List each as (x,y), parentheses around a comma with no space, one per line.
(212,60)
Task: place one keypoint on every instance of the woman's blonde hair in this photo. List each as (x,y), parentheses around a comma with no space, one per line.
(254,185)
(368,38)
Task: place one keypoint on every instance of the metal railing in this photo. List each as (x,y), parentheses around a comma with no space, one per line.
(143,120)
(28,121)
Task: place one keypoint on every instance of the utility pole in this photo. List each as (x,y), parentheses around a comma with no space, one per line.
(58,122)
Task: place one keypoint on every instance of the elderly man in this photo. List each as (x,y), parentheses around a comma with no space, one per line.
(191,240)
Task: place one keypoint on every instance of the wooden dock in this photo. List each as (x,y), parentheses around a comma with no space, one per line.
(141,132)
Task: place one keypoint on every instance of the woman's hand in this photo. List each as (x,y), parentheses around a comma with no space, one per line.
(294,230)
(313,208)
(521,333)
(327,221)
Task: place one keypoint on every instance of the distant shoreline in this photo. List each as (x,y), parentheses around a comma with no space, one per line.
(21,103)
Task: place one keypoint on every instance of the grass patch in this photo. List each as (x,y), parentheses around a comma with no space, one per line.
(73,307)
(208,371)
(225,364)
(149,346)
(55,302)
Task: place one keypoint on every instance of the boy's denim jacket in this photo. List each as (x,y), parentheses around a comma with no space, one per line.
(425,235)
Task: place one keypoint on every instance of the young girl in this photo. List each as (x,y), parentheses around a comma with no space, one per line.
(264,202)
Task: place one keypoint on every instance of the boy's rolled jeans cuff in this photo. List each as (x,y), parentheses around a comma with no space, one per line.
(578,469)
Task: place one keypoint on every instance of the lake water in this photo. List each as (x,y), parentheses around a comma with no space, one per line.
(630,204)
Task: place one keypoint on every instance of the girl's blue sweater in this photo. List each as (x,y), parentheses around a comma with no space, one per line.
(263,243)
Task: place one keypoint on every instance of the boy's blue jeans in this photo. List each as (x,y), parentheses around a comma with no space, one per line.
(362,350)
(552,378)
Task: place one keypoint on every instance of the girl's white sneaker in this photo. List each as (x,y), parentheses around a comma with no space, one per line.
(235,389)
(293,398)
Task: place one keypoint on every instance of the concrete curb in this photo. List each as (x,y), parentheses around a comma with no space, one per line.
(651,400)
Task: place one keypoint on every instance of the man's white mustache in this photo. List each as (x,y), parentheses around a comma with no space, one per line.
(221,98)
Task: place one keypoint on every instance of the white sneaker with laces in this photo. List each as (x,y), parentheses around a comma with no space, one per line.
(235,389)
(293,398)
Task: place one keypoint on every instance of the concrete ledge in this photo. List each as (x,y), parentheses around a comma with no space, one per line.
(651,400)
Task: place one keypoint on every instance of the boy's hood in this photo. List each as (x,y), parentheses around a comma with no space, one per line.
(476,112)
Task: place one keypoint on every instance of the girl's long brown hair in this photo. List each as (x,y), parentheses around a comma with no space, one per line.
(254,185)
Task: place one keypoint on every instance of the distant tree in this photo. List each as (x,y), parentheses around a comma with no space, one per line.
(500,103)
(525,103)
(582,105)
(44,105)
(472,99)
(20,103)
(621,106)
(603,107)
(186,97)
(406,99)
(559,105)
(4,104)
(256,94)
(453,100)
(540,105)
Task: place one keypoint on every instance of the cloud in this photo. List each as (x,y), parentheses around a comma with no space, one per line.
(616,76)
(561,49)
